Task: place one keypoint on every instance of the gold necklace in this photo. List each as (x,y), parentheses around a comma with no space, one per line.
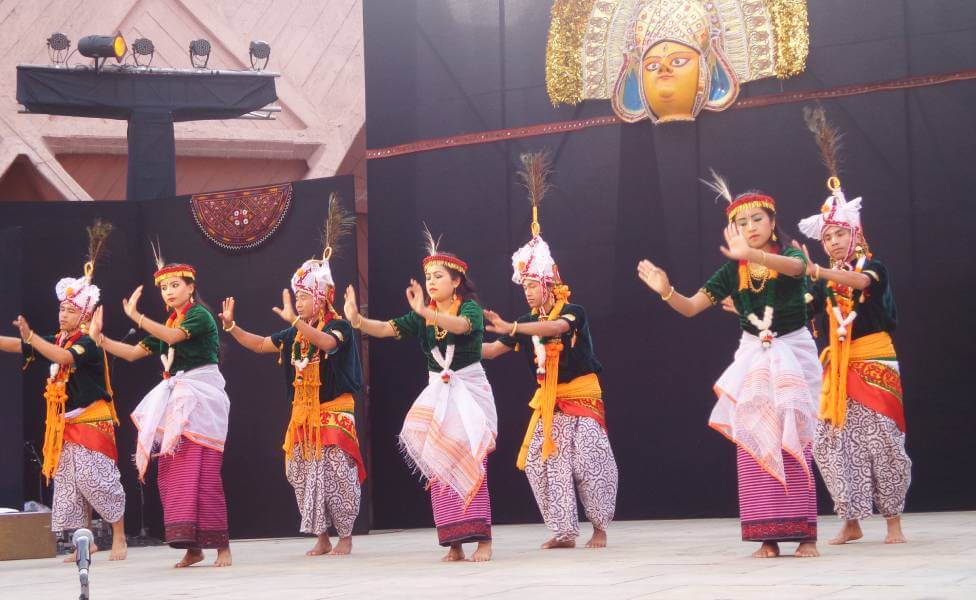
(761,273)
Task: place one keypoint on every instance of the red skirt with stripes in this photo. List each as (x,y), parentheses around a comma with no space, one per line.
(770,512)
(457,524)
(192,493)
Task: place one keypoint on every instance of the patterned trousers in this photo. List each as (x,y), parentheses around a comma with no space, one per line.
(85,478)
(864,464)
(327,490)
(583,461)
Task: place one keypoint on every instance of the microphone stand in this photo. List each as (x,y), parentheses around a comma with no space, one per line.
(36,459)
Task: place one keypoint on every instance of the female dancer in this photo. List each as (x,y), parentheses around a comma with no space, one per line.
(765,398)
(451,427)
(183,420)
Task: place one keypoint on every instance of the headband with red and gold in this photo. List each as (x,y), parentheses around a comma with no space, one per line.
(444,260)
(174,271)
(748,201)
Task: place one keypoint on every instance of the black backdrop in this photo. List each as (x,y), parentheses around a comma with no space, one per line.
(54,242)
(442,67)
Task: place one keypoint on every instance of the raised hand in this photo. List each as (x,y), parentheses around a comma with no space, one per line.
(736,248)
(415,297)
(21,324)
(654,277)
(130,304)
(496,324)
(227,312)
(95,326)
(811,266)
(350,307)
(287,311)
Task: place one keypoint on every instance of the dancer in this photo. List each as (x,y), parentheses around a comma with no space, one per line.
(321,362)
(766,396)
(566,448)
(860,440)
(80,453)
(451,427)
(183,420)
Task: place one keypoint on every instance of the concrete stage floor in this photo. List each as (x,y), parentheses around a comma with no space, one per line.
(646,559)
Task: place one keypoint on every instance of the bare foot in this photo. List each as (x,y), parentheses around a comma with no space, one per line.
(223,557)
(192,557)
(455,554)
(119,549)
(599,539)
(895,535)
(323,545)
(850,532)
(482,553)
(344,546)
(807,550)
(767,550)
(558,543)
(73,557)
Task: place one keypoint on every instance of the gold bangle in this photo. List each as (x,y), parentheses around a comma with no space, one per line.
(358,325)
(763,257)
(514,329)
(669,294)
(100,340)
(297,319)
(139,322)
(816,272)
(233,324)
(29,338)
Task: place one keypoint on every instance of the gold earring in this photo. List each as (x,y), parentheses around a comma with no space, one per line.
(774,237)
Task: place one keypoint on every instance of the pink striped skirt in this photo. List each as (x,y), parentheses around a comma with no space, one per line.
(192,493)
(770,512)
(457,524)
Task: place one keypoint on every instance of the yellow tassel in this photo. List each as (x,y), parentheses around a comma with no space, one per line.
(55,396)
(305,415)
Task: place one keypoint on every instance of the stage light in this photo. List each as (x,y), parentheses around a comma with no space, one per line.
(103,46)
(57,47)
(199,53)
(141,48)
(259,51)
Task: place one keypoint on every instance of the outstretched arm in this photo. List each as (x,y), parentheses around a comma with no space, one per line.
(322,340)
(9,344)
(129,352)
(454,324)
(490,350)
(737,248)
(170,335)
(656,279)
(251,341)
(852,279)
(498,325)
(52,352)
(370,327)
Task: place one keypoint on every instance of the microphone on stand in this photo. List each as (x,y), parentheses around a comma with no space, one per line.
(82,539)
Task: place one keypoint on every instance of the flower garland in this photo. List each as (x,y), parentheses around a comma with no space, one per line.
(767,290)
(552,347)
(302,349)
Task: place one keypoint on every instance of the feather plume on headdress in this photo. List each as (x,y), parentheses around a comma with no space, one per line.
(719,185)
(827,136)
(98,233)
(534,176)
(338,225)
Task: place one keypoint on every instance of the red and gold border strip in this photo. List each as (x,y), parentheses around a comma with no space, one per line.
(497,135)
